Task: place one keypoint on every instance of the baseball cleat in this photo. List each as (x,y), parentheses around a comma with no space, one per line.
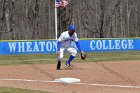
(67,65)
(58,69)
(58,66)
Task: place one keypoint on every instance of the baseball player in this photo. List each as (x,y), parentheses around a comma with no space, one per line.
(64,44)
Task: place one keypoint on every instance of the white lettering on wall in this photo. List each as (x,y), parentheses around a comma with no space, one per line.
(49,46)
(105,47)
(130,44)
(124,44)
(92,45)
(21,47)
(99,44)
(12,46)
(42,46)
(29,49)
(117,44)
(111,44)
(54,46)
(32,46)
(36,47)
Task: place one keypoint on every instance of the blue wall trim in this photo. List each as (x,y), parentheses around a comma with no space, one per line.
(49,46)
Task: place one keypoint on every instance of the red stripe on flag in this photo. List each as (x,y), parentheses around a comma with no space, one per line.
(61,3)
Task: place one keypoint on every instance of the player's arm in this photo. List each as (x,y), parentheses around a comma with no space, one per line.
(78,46)
(83,54)
(58,44)
(58,48)
(77,42)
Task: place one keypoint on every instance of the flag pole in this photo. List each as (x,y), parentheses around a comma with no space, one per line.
(55,21)
(58,3)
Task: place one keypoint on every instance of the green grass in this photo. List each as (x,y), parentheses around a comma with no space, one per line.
(52,58)
(16,90)
(117,56)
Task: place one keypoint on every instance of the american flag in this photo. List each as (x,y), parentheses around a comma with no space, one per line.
(61,3)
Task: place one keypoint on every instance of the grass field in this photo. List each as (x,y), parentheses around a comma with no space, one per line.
(52,59)
(16,90)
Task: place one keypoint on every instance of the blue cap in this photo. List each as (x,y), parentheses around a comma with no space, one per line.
(72,27)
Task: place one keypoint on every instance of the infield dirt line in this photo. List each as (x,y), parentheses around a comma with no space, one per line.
(87,84)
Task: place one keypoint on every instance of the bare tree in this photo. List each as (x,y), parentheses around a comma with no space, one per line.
(34,19)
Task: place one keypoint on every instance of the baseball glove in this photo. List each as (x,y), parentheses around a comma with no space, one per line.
(83,55)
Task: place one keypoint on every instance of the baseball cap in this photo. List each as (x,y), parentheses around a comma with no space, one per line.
(72,27)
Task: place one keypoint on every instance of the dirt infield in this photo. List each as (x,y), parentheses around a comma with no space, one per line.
(96,77)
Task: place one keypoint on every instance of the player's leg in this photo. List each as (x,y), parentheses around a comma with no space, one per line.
(73,53)
(59,58)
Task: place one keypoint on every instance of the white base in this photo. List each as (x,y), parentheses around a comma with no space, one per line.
(68,80)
